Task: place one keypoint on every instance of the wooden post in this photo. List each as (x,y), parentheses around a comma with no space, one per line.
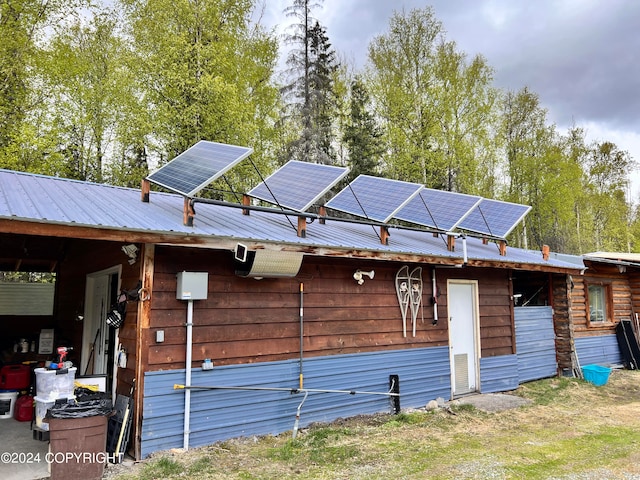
(145,188)
(503,248)
(451,243)
(322,211)
(384,235)
(302,227)
(545,252)
(485,240)
(188,213)
(246,200)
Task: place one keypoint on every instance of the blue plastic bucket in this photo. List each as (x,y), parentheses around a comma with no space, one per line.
(596,374)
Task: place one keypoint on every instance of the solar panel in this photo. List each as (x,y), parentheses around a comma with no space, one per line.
(198,166)
(438,209)
(298,185)
(495,218)
(374,198)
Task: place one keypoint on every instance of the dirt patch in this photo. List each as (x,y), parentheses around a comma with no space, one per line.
(492,402)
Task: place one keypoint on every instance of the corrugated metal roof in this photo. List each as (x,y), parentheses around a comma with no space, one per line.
(58,201)
(618,258)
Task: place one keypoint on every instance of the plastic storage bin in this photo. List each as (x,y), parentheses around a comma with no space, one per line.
(42,405)
(596,374)
(7,403)
(51,384)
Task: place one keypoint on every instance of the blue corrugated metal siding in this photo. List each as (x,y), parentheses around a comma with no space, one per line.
(222,414)
(535,343)
(498,374)
(601,350)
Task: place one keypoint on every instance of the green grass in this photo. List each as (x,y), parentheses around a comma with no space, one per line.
(570,428)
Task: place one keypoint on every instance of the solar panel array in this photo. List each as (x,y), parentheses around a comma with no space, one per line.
(494,218)
(438,209)
(298,185)
(374,198)
(198,166)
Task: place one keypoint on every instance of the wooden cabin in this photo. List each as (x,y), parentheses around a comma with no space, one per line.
(310,326)
(606,293)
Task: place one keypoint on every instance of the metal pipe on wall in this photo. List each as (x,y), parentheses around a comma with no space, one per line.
(187,381)
(434,288)
(301,333)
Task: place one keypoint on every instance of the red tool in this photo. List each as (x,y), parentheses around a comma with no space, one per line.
(62,353)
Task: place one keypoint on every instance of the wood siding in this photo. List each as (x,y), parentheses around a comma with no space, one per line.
(619,304)
(563,309)
(244,320)
(82,259)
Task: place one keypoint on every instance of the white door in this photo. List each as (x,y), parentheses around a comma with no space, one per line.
(462,300)
(99,340)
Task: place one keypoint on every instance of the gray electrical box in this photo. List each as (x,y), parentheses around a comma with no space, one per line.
(192,285)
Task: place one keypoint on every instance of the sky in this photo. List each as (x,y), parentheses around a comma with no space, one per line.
(582,57)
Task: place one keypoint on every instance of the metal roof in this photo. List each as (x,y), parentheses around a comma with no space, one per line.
(58,201)
(618,258)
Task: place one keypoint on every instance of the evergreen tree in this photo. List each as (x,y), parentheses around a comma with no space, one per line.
(311,102)
(362,136)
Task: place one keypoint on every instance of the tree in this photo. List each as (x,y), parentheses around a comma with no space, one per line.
(204,73)
(465,111)
(22,23)
(312,106)
(608,184)
(400,75)
(362,136)
(85,81)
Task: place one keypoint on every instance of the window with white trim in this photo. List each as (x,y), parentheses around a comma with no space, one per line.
(598,301)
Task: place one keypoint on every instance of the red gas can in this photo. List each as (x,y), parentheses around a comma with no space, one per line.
(23,410)
(15,377)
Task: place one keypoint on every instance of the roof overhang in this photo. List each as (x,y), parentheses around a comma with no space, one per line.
(181,239)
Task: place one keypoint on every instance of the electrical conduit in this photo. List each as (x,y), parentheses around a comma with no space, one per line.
(187,381)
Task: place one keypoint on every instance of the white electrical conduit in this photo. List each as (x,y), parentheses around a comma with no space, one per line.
(301,335)
(187,381)
(464,249)
(435,296)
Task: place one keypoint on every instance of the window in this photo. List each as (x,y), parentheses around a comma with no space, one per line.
(597,300)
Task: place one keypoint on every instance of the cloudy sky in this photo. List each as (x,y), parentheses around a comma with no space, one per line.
(582,57)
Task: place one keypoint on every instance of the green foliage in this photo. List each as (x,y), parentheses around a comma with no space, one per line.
(22,24)
(437,108)
(362,136)
(311,108)
(27,277)
(107,94)
(82,72)
(400,78)
(162,468)
(204,73)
